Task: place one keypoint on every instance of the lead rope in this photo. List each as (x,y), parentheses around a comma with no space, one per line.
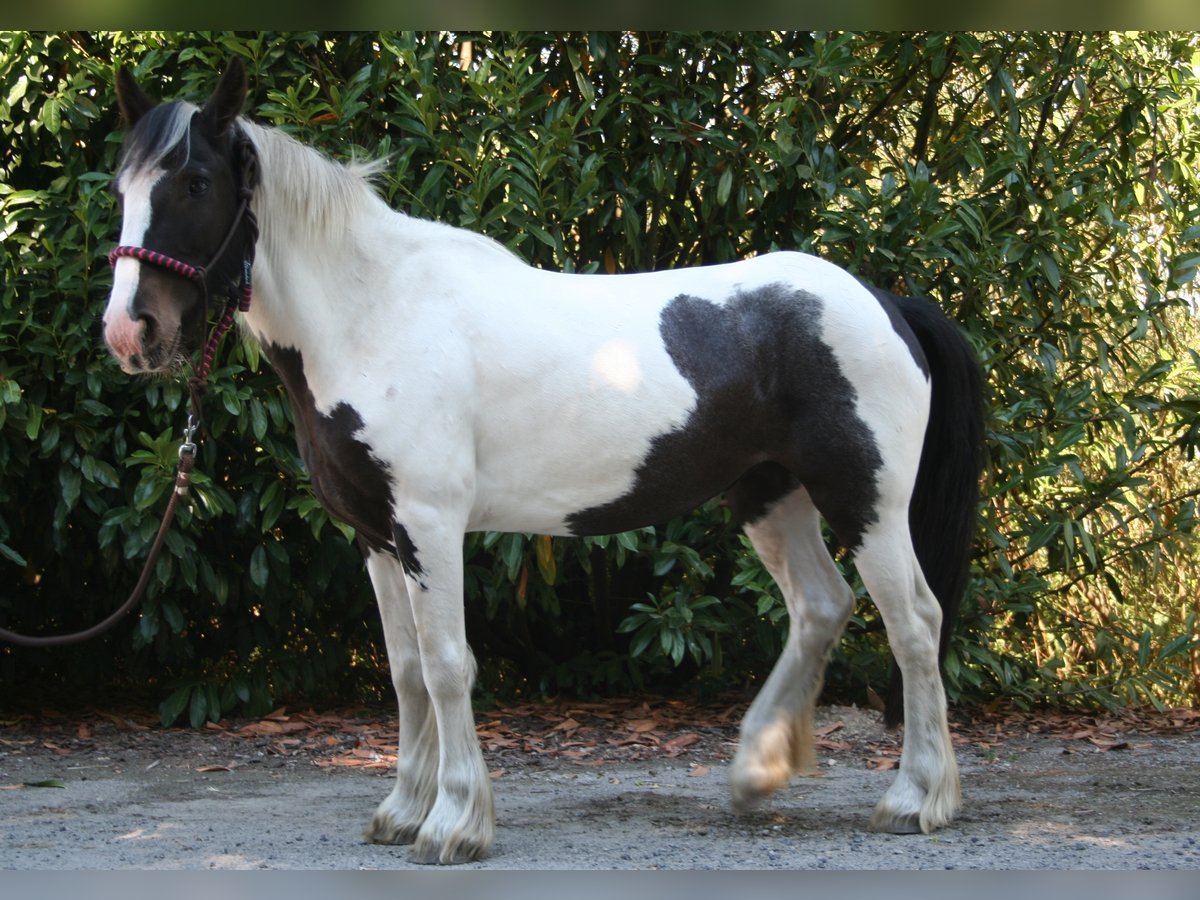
(238,301)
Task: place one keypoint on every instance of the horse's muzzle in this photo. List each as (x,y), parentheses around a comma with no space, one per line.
(124,337)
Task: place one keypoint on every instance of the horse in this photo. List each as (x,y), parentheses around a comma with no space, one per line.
(422,362)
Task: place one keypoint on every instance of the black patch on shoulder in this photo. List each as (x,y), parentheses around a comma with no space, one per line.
(348,480)
(773,411)
(891,305)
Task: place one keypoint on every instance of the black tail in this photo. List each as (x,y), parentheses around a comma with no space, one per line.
(944,509)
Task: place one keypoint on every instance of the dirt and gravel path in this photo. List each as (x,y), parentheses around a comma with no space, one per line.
(617,785)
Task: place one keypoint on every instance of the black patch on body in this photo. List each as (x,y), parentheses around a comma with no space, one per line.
(773,412)
(351,483)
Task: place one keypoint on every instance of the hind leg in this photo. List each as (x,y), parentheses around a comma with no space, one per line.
(925,794)
(776,734)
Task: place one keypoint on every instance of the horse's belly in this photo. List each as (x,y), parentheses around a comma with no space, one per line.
(567,455)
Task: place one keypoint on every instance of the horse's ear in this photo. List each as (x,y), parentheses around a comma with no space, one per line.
(227,100)
(131,98)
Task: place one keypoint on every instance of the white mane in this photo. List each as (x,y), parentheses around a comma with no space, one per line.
(305,186)
(325,197)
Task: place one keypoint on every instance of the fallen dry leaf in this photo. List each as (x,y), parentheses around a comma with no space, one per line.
(675,744)
(699,772)
(272,726)
(874,700)
(834,745)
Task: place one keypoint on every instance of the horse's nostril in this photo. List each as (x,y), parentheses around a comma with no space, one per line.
(149,329)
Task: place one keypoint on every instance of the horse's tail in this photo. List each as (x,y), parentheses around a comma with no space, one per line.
(943,512)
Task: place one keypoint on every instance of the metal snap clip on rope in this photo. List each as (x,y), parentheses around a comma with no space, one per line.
(188,447)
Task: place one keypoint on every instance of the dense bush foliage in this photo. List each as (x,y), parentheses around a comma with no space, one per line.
(1042,188)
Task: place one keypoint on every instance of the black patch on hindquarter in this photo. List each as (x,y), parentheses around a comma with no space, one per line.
(774,411)
(351,483)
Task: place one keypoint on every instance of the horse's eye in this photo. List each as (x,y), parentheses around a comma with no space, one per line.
(198,187)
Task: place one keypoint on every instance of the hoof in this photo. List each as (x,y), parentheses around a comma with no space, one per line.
(384,831)
(751,783)
(430,854)
(744,799)
(769,758)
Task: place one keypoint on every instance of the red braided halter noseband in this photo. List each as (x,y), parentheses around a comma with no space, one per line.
(141,254)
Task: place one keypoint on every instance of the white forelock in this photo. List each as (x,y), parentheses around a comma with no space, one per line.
(147,154)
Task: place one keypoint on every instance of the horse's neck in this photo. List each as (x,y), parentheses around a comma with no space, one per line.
(308,264)
(335,266)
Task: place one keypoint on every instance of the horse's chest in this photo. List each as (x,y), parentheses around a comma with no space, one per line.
(351,483)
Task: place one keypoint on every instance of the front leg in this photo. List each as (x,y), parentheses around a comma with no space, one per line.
(461,824)
(400,816)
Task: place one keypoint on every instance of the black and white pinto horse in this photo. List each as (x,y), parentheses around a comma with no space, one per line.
(423,363)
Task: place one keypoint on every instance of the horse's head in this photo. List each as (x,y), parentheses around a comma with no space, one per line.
(181,236)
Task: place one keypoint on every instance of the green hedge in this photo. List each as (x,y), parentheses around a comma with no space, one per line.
(1041,187)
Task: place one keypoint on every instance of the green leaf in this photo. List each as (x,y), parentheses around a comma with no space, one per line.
(260,571)
(1181,645)
(640,642)
(724,186)
(544,547)
(174,616)
(70,482)
(628,540)
(9,553)
(172,708)
(198,707)
(52,114)
(33,423)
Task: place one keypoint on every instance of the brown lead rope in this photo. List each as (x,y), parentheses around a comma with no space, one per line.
(183,479)
(197,384)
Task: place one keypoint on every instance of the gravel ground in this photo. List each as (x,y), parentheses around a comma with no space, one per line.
(138,797)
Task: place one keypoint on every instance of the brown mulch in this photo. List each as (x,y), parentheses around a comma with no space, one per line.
(1105,731)
(587,733)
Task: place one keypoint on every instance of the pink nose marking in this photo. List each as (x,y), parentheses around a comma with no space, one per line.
(123,335)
